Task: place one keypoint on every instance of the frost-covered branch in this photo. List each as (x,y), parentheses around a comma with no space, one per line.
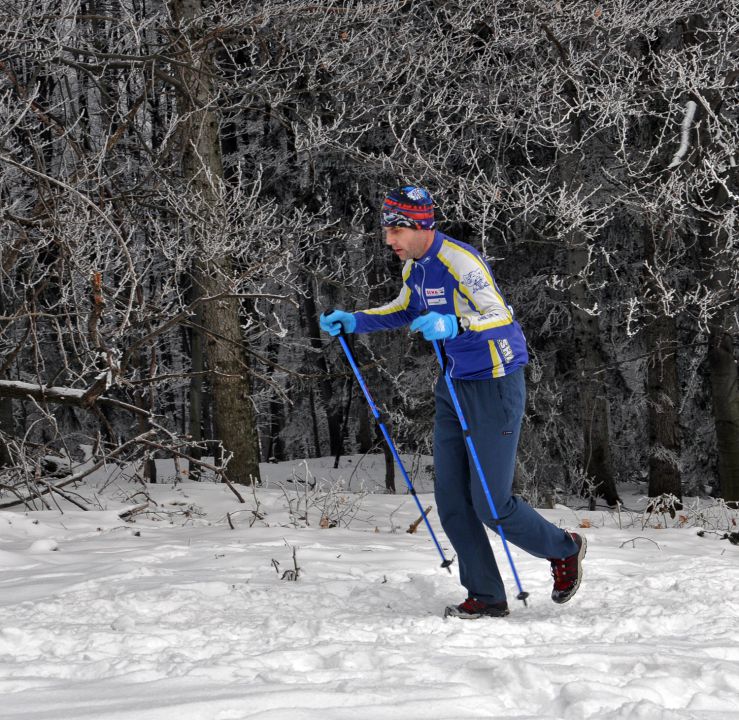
(690,108)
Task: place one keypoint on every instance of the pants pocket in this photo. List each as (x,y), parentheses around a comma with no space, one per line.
(512,395)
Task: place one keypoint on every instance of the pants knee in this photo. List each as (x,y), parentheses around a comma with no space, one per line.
(505,508)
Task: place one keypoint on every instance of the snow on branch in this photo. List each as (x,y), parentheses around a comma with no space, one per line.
(690,109)
(63,395)
(17,389)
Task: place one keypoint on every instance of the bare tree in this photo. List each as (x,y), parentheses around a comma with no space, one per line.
(209,199)
(212,170)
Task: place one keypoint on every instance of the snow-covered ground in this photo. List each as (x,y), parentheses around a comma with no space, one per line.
(177,615)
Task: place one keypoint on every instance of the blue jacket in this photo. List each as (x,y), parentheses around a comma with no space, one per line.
(453,278)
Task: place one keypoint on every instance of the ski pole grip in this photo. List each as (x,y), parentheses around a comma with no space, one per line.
(328,311)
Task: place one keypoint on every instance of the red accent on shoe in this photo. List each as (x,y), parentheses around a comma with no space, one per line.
(473,608)
(472,605)
(567,572)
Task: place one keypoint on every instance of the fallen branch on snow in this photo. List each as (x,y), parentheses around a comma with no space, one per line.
(414,525)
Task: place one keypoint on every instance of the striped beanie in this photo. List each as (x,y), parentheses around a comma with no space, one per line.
(409,206)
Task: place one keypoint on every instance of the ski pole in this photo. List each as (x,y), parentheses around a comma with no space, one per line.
(378,417)
(440,354)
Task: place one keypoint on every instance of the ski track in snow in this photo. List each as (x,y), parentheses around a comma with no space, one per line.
(194,622)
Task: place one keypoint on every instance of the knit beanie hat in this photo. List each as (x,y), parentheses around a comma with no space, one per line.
(409,206)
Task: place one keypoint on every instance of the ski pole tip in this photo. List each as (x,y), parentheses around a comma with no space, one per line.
(447,564)
(522,597)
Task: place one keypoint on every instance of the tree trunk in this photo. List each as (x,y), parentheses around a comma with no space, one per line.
(345,421)
(725,393)
(331,401)
(389,459)
(197,366)
(365,430)
(314,424)
(7,425)
(716,205)
(663,417)
(273,451)
(722,361)
(233,420)
(233,414)
(594,405)
(142,400)
(663,390)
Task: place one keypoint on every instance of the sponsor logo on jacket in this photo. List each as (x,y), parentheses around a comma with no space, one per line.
(475,281)
(505,350)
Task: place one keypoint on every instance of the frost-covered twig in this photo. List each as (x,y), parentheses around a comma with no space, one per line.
(633,541)
(690,109)
(87,471)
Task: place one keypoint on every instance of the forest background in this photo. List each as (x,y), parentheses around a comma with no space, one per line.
(186,185)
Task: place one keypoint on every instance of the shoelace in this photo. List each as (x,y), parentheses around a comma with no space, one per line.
(564,572)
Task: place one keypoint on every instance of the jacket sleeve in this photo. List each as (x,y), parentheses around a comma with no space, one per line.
(479,298)
(401,311)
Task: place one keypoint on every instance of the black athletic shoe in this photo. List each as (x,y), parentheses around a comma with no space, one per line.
(567,572)
(471,609)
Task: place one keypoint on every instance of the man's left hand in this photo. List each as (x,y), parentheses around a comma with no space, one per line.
(436,326)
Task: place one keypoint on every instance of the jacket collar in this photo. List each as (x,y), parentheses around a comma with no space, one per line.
(433,251)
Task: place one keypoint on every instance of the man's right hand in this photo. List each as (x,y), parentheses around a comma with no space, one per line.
(336,321)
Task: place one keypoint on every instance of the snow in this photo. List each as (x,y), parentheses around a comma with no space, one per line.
(176,615)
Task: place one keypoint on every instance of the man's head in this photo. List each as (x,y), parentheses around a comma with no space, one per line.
(408,221)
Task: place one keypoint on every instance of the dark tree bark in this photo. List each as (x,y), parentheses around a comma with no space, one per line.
(715,201)
(202,166)
(663,391)
(197,367)
(365,430)
(591,389)
(7,424)
(314,424)
(663,397)
(722,355)
(725,396)
(274,450)
(330,403)
(389,459)
(594,404)
(345,422)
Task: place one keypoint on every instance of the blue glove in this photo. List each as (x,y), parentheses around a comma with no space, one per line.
(436,326)
(336,321)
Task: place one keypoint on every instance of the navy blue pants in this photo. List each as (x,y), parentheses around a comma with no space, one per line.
(493,409)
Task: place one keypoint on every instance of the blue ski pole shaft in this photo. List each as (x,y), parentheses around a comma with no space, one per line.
(378,417)
(476,460)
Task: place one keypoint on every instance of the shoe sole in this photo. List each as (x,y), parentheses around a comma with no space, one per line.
(580,556)
(453,612)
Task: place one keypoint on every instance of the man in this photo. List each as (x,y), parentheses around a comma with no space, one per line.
(449,294)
